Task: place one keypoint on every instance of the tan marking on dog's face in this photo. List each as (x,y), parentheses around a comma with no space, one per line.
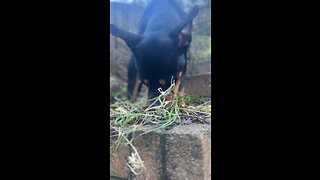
(162,82)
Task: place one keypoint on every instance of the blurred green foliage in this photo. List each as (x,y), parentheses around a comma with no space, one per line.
(201,48)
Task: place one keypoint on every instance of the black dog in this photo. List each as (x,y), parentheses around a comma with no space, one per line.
(160,48)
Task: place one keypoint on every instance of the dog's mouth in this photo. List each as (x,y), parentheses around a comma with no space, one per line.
(169,98)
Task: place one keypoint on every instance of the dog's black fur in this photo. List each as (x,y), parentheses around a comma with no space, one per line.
(159,50)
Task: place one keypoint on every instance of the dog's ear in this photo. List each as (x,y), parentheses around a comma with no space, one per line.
(131,39)
(182,33)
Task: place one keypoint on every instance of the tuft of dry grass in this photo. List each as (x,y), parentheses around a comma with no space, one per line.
(127,117)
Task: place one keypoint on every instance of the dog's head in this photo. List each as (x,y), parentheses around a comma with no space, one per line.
(160,56)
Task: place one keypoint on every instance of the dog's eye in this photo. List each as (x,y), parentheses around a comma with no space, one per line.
(162,82)
(146,81)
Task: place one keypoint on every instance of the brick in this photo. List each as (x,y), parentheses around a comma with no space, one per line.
(183,152)
(198,85)
(188,152)
(118,167)
(149,149)
(114,178)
